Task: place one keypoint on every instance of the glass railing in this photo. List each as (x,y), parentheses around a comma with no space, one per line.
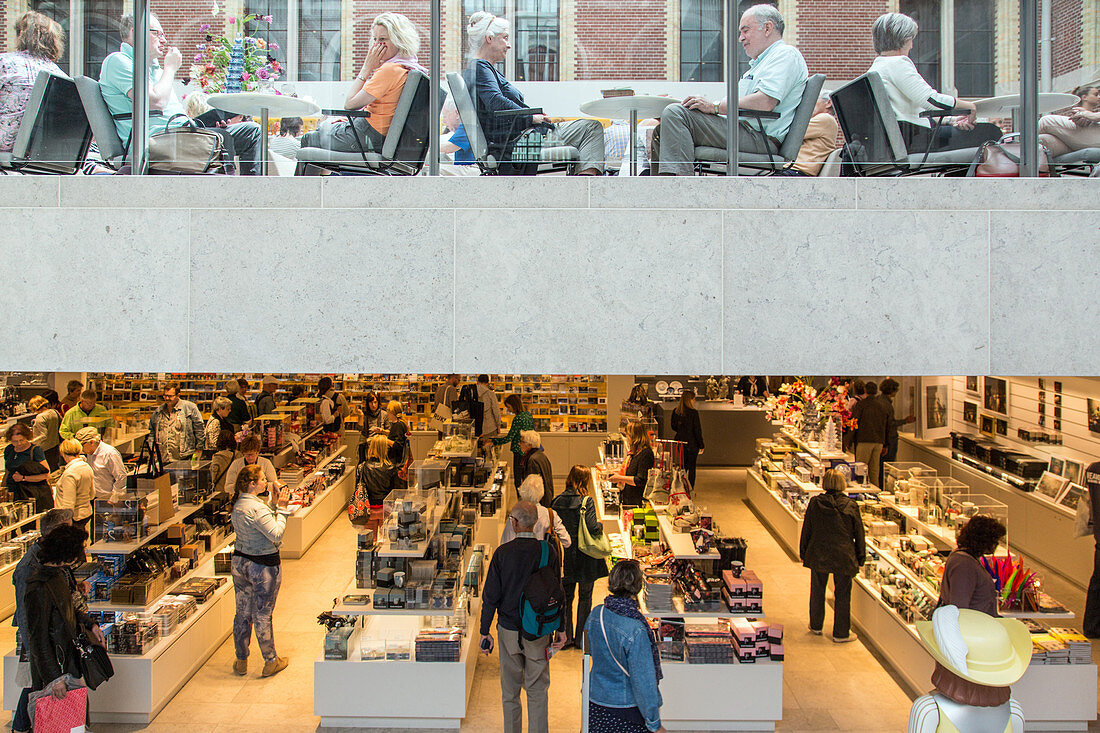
(548,86)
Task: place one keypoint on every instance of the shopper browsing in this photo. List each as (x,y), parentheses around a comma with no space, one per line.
(377,475)
(257,569)
(579,571)
(536,463)
(27,566)
(72,395)
(46,435)
(688,429)
(375,418)
(490,408)
(177,426)
(887,389)
(871,416)
(523,660)
(76,489)
(265,400)
(74,417)
(966,583)
(636,471)
(398,436)
(626,666)
(108,469)
(832,543)
(333,406)
(219,421)
(250,456)
(51,615)
(25,469)
(241,413)
(531,490)
(522,421)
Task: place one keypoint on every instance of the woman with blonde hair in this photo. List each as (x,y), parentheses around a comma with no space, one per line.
(77,486)
(219,421)
(636,471)
(39,44)
(579,571)
(376,88)
(398,437)
(376,476)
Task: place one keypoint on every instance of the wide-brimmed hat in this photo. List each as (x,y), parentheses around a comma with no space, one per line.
(977,647)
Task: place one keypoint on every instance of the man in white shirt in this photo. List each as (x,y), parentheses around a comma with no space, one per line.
(774,83)
(108,470)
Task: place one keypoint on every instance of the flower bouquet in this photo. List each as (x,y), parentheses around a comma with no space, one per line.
(800,405)
(246,55)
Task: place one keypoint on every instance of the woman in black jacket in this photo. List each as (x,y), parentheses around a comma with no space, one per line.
(832,543)
(688,430)
(52,619)
(636,472)
(578,569)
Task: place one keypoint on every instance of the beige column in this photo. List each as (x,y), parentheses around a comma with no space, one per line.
(567,35)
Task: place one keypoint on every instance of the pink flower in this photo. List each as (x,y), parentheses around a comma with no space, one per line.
(245,76)
(267,19)
(232,20)
(204,27)
(262,73)
(198,58)
(273,46)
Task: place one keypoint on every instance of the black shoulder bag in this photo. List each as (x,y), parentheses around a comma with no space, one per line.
(92,659)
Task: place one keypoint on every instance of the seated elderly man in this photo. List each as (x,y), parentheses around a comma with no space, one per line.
(116,83)
(819,141)
(774,83)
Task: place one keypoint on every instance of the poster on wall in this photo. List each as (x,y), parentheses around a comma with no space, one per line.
(935,408)
(1094,415)
(987,425)
(972,384)
(970,413)
(996,395)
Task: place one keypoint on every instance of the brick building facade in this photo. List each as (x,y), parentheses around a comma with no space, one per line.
(609,39)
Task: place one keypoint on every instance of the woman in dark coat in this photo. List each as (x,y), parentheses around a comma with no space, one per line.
(832,543)
(578,569)
(688,430)
(52,619)
(635,473)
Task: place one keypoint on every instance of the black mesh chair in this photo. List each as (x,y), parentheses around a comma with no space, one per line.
(873,141)
(54,134)
(403,150)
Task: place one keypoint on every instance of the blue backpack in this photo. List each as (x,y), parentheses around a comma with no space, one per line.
(542,600)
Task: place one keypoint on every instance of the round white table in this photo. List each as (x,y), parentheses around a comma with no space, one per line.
(252,104)
(628,108)
(1007,104)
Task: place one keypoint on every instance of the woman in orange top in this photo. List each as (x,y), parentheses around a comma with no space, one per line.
(376,88)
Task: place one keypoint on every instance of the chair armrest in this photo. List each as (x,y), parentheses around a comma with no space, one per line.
(758,114)
(129,115)
(345,113)
(518,112)
(941,113)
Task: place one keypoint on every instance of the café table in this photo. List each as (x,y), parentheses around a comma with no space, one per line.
(630,108)
(264,106)
(1009,104)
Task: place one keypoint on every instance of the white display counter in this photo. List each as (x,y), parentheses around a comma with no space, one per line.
(745,697)
(564,449)
(143,685)
(305,526)
(1041,530)
(785,525)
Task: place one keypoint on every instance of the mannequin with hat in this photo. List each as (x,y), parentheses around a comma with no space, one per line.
(977,658)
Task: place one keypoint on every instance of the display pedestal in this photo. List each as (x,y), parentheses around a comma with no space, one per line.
(1054,697)
(143,685)
(305,526)
(1041,530)
(722,696)
(785,525)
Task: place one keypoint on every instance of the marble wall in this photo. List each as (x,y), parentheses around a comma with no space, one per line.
(551,274)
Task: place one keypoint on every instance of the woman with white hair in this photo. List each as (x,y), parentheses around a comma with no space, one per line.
(376,88)
(536,463)
(488,45)
(892,35)
(531,490)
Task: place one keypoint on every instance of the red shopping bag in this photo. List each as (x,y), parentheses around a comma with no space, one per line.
(61,716)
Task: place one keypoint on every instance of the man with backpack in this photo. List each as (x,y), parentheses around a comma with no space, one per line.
(523,589)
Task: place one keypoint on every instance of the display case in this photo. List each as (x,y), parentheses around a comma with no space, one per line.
(894,471)
(458,440)
(272,431)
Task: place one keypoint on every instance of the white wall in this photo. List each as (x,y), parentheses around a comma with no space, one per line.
(551,275)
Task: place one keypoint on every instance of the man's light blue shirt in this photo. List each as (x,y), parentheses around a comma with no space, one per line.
(116,79)
(780,72)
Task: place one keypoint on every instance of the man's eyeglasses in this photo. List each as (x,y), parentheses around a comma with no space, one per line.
(158,33)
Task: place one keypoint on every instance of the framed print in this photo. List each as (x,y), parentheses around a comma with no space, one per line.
(970,412)
(987,425)
(1042,384)
(1093,407)
(935,402)
(1071,496)
(1073,471)
(995,395)
(1057,424)
(1051,486)
(1001,426)
(1057,465)
(972,384)
(1057,386)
